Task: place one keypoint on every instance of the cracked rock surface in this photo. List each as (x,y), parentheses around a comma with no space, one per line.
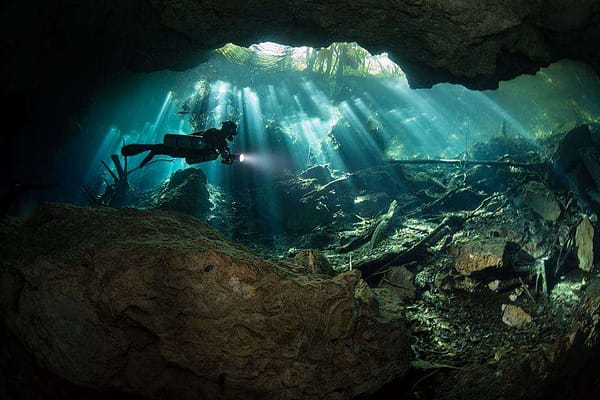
(159,305)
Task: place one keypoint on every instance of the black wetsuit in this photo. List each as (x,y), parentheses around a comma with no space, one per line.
(215,139)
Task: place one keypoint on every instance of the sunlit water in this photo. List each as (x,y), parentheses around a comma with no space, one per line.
(290,121)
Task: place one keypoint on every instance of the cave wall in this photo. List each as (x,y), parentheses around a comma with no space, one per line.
(56,55)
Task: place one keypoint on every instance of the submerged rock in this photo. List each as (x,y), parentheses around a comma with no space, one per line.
(584,241)
(186,192)
(478,255)
(158,305)
(567,153)
(313,261)
(541,200)
(515,316)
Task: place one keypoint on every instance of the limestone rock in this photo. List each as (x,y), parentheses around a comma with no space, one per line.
(541,200)
(401,281)
(186,192)
(567,153)
(298,214)
(478,254)
(158,305)
(584,241)
(312,261)
(515,316)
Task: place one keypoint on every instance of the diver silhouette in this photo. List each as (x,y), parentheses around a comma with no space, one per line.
(196,147)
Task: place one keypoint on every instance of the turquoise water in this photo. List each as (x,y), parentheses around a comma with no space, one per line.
(289,120)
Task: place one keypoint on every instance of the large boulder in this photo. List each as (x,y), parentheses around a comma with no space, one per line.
(541,200)
(158,304)
(567,151)
(185,191)
(313,262)
(584,243)
(476,255)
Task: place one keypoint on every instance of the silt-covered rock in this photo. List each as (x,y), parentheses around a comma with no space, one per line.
(313,261)
(186,192)
(159,305)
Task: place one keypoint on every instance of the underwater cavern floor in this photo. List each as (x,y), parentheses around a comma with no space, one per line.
(481,285)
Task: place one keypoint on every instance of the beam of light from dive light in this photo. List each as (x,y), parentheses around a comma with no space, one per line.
(264,162)
(252,159)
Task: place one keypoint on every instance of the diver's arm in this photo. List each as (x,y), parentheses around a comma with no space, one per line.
(222,147)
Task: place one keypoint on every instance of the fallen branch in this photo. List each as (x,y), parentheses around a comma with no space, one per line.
(89,194)
(152,162)
(116,179)
(468,163)
(395,163)
(437,201)
(373,265)
(120,171)
(373,233)
(376,265)
(358,241)
(383,225)
(331,185)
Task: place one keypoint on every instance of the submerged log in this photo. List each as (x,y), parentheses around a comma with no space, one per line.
(359,177)
(373,233)
(468,163)
(383,225)
(373,265)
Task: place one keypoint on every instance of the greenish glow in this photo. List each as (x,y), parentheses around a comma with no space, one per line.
(350,111)
(338,59)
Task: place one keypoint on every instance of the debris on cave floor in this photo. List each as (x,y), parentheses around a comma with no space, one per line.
(462,297)
(511,279)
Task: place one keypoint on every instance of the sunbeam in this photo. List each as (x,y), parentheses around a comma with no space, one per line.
(306,112)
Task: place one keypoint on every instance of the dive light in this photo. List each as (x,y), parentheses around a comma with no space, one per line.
(230,158)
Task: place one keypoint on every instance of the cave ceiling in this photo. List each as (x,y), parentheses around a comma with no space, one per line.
(56,54)
(472,42)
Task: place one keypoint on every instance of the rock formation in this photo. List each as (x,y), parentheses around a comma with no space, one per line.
(158,304)
(186,192)
(470,42)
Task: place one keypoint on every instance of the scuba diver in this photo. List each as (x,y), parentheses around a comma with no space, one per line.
(196,147)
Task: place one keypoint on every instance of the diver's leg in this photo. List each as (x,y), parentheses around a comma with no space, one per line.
(155,149)
(133,149)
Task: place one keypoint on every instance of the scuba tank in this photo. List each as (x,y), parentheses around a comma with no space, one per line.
(188,142)
(202,157)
